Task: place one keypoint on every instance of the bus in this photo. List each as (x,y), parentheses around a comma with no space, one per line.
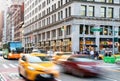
(12,50)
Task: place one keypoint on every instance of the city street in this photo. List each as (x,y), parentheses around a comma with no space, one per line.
(9,71)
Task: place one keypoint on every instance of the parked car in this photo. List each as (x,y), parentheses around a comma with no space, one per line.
(81,66)
(37,68)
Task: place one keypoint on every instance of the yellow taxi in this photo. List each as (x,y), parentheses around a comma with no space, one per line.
(116,55)
(101,56)
(37,67)
(61,56)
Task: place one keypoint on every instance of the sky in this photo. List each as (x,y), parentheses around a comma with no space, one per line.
(4,4)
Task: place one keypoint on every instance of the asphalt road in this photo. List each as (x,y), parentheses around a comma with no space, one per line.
(8,70)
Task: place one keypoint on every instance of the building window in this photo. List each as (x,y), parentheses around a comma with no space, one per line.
(86,29)
(59,32)
(53,33)
(119,12)
(105,30)
(119,31)
(81,29)
(103,12)
(59,4)
(68,30)
(43,36)
(58,16)
(83,10)
(110,12)
(110,1)
(48,34)
(91,11)
(110,30)
(69,11)
(61,14)
(66,13)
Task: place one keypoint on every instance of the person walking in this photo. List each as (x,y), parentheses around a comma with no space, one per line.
(92,54)
(96,55)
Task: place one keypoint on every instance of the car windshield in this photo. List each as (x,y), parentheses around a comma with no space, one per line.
(82,60)
(63,53)
(37,59)
(39,51)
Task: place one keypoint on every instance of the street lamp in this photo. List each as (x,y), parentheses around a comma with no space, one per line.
(84,34)
(113,36)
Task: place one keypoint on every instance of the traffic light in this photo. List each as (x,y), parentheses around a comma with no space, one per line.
(63,28)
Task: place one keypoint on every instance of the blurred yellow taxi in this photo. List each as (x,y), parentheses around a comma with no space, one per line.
(37,67)
(116,55)
(101,56)
(61,56)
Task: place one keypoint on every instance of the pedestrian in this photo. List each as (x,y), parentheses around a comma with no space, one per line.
(92,54)
(96,54)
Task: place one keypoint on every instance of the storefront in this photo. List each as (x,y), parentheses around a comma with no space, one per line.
(67,45)
(89,43)
(43,45)
(105,43)
(47,45)
(59,45)
(53,45)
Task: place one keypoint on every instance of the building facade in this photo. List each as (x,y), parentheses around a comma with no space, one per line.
(18,22)
(71,25)
(14,21)
(1,26)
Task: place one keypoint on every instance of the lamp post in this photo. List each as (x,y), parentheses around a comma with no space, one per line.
(113,36)
(84,34)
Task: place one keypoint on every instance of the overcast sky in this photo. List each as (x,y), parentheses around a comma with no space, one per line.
(4,4)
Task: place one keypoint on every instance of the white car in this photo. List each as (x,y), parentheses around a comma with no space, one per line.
(1,53)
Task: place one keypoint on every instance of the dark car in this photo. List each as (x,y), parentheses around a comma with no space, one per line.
(81,66)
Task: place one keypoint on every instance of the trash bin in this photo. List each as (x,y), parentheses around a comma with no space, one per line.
(108,59)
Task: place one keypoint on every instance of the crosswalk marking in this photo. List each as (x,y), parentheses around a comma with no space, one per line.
(5,66)
(12,65)
(9,65)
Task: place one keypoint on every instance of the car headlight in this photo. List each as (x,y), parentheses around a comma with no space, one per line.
(56,68)
(31,68)
(10,54)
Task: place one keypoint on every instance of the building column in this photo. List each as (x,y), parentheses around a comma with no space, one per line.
(75,38)
(97,40)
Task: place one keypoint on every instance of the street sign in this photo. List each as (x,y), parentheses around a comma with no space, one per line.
(96,29)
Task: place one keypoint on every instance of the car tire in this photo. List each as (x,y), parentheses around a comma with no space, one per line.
(19,72)
(77,73)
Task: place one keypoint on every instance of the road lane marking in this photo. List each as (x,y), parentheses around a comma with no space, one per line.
(12,65)
(108,78)
(5,66)
(2,78)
